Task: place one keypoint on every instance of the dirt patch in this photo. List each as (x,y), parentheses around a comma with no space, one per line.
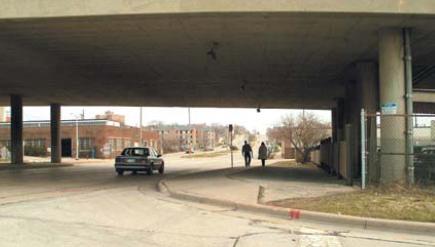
(416,204)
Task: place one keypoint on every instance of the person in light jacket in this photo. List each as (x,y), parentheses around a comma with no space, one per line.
(262,154)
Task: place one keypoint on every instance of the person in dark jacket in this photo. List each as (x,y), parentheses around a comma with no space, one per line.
(262,154)
(247,153)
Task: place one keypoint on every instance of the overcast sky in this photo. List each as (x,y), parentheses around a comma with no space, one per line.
(246,117)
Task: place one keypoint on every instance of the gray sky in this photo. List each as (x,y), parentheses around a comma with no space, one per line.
(239,116)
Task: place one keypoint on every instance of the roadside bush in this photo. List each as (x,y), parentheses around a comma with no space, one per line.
(35,151)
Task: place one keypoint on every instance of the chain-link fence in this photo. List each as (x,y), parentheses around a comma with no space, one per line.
(386,153)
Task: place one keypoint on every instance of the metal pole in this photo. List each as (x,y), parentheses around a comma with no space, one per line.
(189,141)
(77,138)
(140,126)
(363,150)
(409,107)
(231,148)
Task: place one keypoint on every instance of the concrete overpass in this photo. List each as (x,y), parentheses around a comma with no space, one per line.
(271,54)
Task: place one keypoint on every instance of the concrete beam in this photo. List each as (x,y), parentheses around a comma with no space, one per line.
(424,95)
(55,112)
(58,8)
(16,130)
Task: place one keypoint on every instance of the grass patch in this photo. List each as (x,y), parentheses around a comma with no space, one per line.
(289,163)
(206,154)
(397,203)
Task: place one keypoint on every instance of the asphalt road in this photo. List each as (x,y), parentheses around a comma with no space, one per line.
(88,205)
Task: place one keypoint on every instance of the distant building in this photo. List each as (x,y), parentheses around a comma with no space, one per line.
(98,138)
(109,115)
(175,138)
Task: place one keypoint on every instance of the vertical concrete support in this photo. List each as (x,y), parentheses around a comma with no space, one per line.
(334,125)
(55,112)
(16,129)
(367,85)
(340,134)
(350,140)
(334,152)
(392,91)
(352,117)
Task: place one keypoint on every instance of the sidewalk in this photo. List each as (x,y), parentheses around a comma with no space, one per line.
(238,188)
(241,185)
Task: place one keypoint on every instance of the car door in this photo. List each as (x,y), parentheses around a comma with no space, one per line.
(156,160)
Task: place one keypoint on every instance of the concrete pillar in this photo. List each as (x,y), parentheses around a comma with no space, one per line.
(352,117)
(392,91)
(340,119)
(55,133)
(334,125)
(340,134)
(367,85)
(16,129)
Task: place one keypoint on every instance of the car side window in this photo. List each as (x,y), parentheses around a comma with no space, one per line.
(153,152)
(126,152)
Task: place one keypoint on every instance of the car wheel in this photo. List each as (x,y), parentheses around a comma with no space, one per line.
(120,172)
(134,172)
(162,169)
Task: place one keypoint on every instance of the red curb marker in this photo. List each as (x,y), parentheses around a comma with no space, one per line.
(294,214)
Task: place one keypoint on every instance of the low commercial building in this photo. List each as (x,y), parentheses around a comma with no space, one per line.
(97,138)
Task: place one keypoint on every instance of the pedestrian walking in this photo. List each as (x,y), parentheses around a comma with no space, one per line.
(247,153)
(262,154)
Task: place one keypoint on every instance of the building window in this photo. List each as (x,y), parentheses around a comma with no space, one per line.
(5,143)
(127,143)
(119,144)
(34,143)
(85,143)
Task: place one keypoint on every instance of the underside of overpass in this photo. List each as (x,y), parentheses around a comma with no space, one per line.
(226,59)
(278,54)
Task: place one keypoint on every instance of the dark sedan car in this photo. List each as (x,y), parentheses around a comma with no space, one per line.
(136,159)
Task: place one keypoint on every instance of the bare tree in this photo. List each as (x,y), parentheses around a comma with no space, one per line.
(304,132)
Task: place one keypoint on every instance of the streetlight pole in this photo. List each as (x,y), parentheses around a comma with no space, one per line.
(77,139)
(189,132)
(140,127)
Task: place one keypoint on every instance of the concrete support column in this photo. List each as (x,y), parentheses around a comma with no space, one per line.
(367,85)
(334,125)
(55,133)
(340,134)
(340,120)
(352,119)
(392,91)
(16,129)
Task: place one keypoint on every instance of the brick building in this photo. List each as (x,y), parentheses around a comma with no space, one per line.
(177,138)
(98,138)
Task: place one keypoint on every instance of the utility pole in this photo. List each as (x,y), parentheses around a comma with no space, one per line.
(77,138)
(230,130)
(189,133)
(140,127)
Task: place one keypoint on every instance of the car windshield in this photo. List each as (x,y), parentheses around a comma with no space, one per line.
(136,152)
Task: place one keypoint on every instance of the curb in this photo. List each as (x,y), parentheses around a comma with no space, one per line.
(32,166)
(296,214)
